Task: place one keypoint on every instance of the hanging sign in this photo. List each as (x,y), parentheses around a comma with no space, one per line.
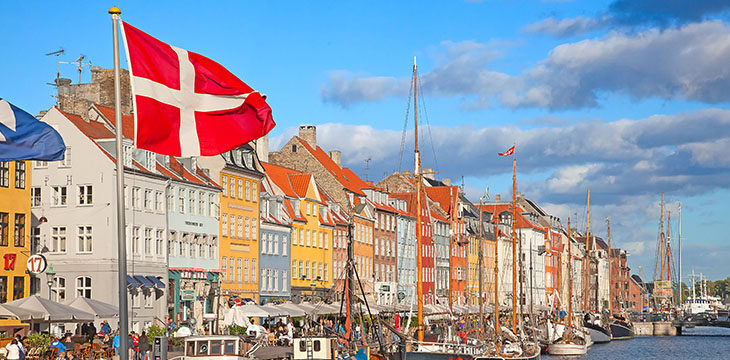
(37,264)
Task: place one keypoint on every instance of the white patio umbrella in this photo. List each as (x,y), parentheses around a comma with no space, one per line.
(37,309)
(293,309)
(96,307)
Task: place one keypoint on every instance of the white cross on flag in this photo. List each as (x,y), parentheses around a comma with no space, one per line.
(186,104)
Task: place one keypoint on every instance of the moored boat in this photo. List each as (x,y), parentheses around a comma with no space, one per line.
(567,349)
(599,334)
(622,329)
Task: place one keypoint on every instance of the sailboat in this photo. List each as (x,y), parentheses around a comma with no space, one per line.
(508,344)
(571,342)
(452,347)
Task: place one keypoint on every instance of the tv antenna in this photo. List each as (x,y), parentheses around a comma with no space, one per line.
(79,64)
(57,54)
(367,168)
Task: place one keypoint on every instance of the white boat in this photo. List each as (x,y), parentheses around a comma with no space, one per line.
(567,349)
(219,347)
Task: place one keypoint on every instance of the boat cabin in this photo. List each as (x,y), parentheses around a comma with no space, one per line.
(222,347)
(314,348)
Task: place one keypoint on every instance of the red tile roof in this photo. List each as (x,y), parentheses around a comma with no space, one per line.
(521,221)
(444,196)
(300,183)
(346,177)
(127,120)
(92,129)
(280,176)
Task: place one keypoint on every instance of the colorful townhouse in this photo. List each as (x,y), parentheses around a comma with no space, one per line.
(239,174)
(406,252)
(385,251)
(16,235)
(311,232)
(275,254)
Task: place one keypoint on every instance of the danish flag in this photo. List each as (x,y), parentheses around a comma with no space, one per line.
(509,152)
(186,104)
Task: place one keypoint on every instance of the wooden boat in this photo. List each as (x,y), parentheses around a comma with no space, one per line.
(219,347)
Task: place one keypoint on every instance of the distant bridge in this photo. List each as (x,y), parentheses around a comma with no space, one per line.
(694,322)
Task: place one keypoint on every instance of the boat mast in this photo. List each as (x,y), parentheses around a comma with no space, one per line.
(679,274)
(496,276)
(610,268)
(669,253)
(417,174)
(514,243)
(570,277)
(586,265)
(481,295)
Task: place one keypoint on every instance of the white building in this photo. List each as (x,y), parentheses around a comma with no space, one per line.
(74,212)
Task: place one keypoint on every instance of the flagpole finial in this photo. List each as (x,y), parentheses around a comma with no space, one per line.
(114,10)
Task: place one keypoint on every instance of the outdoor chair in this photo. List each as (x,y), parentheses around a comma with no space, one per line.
(97,352)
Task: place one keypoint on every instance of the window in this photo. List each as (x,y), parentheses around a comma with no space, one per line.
(254,192)
(58,289)
(181,200)
(238,270)
(294,269)
(223,267)
(254,234)
(4,230)
(224,184)
(148,301)
(84,236)
(231,229)
(191,247)
(233,188)
(35,196)
(307,233)
(293,148)
(247,231)
(85,195)
(191,198)
(4,173)
(201,204)
(158,201)
(263,244)
(135,239)
(18,287)
(59,196)
(248,194)
(246,274)
(254,269)
(240,188)
(274,239)
(35,237)
(224,224)
(58,239)
(284,245)
(136,197)
(148,204)
(41,164)
(321,239)
(233,268)
(214,241)
(83,287)
(239,228)
(148,241)
(308,209)
(301,238)
(325,241)
(301,268)
(283,280)
(20,174)
(325,272)
(213,207)
(160,241)
(171,200)
(19,236)
(66,162)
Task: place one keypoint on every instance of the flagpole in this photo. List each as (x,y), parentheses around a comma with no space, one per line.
(121,243)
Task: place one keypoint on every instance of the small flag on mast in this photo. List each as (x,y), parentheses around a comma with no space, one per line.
(23,137)
(509,152)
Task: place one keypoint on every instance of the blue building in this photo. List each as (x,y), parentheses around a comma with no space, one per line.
(274,247)
(192,216)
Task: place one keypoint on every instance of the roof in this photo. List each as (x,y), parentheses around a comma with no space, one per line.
(300,183)
(345,177)
(521,221)
(92,129)
(280,176)
(127,120)
(443,195)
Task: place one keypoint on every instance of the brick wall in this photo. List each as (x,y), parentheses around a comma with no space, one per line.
(77,98)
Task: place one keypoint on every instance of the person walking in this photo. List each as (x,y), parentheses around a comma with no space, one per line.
(13,350)
(144,345)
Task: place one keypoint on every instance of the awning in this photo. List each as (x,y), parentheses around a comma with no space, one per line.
(157,282)
(144,282)
(132,282)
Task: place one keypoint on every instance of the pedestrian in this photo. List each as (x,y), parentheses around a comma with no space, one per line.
(115,343)
(21,346)
(91,331)
(13,350)
(84,329)
(144,345)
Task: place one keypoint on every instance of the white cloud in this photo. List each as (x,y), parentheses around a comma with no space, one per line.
(677,63)
(565,27)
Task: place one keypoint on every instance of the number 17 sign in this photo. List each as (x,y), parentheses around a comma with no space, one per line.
(37,264)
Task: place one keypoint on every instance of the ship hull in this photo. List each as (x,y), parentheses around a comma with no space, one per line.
(598,334)
(567,349)
(621,330)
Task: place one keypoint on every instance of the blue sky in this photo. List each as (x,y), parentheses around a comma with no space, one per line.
(629,98)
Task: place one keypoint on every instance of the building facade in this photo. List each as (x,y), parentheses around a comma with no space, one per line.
(275,254)
(15,234)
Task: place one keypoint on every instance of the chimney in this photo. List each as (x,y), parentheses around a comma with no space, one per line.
(308,133)
(498,197)
(446,181)
(428,173)
(336,156)
(262,148)
(520,196)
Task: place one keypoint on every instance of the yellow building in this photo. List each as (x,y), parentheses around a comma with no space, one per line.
(472,260)
(239,174)
(14,235)
(311,237)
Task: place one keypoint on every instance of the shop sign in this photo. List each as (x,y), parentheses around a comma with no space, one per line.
(187,294)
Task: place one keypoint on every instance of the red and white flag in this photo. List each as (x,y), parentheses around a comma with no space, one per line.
(509,152)
(186,104)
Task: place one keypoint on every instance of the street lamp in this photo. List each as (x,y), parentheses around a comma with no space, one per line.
(51,275)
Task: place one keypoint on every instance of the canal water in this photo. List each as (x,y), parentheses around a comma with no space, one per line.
(698,343)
